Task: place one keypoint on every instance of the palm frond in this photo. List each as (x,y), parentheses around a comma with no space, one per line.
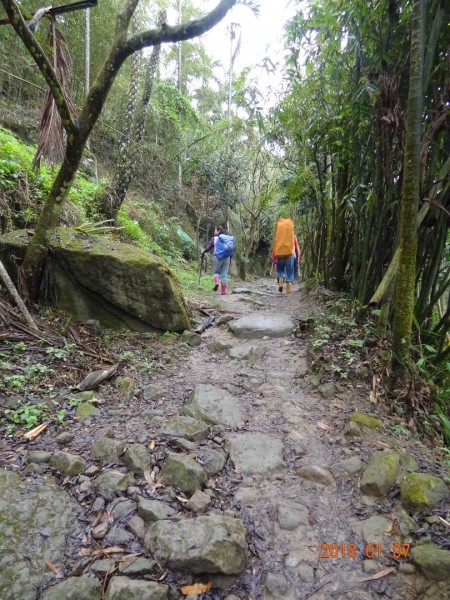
(51,131)
(253,5)
(98,228)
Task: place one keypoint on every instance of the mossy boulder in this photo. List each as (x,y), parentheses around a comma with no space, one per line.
(86,411)
(434,562)
(381,473)
(422,490)
(68,464)
(183,472)
(97,277)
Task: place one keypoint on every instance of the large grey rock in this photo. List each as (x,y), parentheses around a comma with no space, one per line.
(183,472)
(348,466)
(125,386)
(108,449)
(209,544)
(76,588)
(198,502)
(68,464)
(439,590)
(122,507)
(117,536)
(315,473)
(277,584)
(117,284)
(153,510)
(434,562)
(211,460)
(137,458)
(257,325)
(375,528)
(137,567)
(214,405)
(125,588)
(422,490)
(38,457)
(256,452)
(381,473)
(36,519)
(291,515)
(184,427)
(110,482)
(249,352)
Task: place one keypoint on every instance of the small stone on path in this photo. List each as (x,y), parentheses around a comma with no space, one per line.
(256,452)
(256,326)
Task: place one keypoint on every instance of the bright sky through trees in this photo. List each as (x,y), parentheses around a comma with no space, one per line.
(260,37)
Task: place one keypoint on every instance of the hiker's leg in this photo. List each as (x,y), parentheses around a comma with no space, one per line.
(224,274)
(224,266)
(216,273)
(290,262)
(281,272)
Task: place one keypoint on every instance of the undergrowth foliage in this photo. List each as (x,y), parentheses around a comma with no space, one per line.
(344,345)
(23,188)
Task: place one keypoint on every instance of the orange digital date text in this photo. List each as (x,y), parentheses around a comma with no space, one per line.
(370,551)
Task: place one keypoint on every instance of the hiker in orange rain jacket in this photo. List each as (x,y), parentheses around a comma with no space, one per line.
(285,253)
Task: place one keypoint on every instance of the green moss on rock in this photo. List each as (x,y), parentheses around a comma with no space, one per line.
(86,411)
(366,421)
(380,475)
(422,490)
(433,561)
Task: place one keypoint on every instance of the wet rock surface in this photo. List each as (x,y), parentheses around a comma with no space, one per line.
(227,466)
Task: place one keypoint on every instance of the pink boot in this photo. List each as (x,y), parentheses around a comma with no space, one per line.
(223,289)
(216,283)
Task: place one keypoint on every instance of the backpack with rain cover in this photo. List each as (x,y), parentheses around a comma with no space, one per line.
(283,244)
(224,246)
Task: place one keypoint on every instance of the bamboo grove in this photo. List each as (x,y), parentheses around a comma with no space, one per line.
(343,126)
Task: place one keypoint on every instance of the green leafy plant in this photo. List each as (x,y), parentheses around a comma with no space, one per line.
(25,416)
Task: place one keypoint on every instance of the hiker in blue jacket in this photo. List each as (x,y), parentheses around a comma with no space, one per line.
(221,265)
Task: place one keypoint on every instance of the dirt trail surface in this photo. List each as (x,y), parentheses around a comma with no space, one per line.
(228,439)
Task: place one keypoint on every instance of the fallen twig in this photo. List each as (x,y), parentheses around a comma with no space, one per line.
(15,294)
(379,575)
(204,324)
(33,433)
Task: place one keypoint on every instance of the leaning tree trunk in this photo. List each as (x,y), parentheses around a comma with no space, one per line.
(405,290)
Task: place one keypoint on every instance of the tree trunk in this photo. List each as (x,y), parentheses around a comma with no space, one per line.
(405,289)
(131,153)
(78,131)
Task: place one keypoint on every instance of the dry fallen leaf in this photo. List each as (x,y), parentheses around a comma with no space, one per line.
(379,575)
(101,551)
(196,588)
(152,445)
(323,426)
(51,566)
(181,499)
(152,481)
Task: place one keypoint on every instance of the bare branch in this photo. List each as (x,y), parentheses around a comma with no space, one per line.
(179,33)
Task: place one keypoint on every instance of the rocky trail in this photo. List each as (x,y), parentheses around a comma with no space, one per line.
(224,474)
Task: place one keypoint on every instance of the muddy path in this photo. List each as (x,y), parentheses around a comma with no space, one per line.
(292,471)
